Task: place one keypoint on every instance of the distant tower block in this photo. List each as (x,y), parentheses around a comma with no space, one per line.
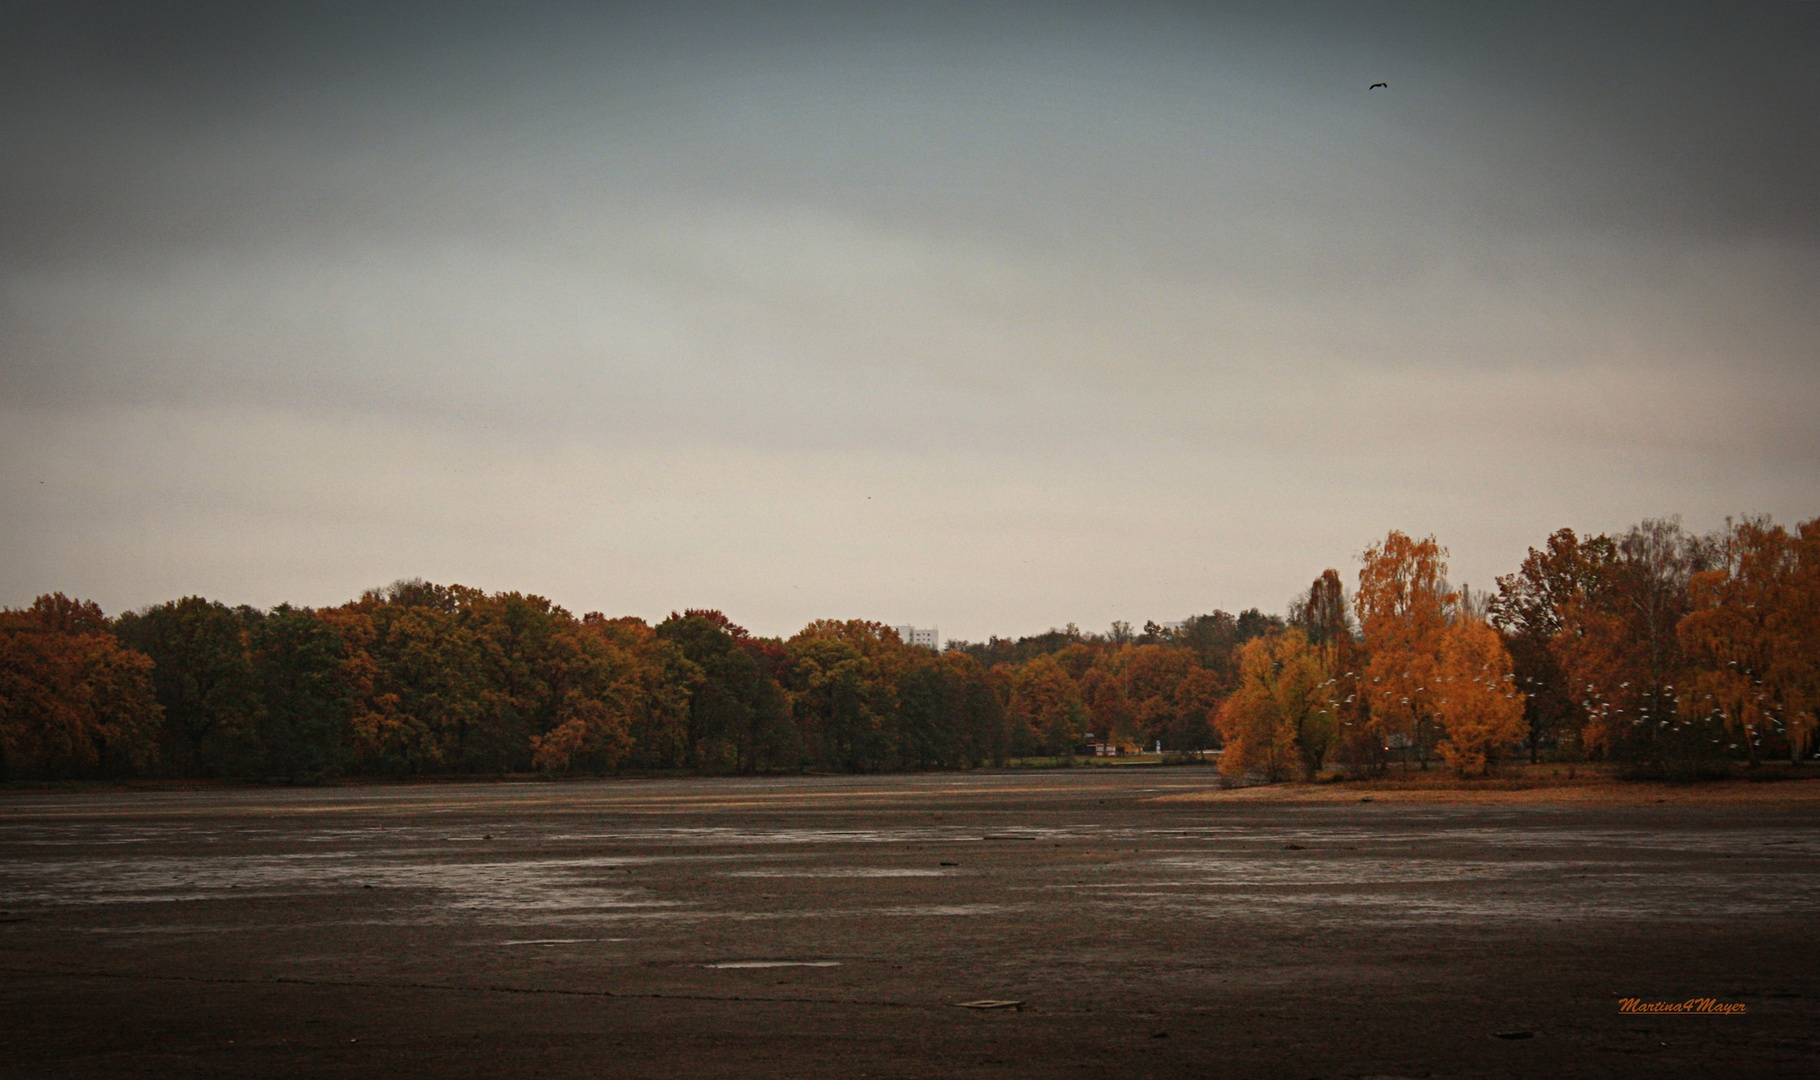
(929,638)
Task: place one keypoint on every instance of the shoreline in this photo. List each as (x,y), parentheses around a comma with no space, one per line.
(1596,790)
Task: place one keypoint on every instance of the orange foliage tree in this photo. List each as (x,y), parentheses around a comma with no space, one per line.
(1108,709)
(1479,706)
(1530,610)
(1046,706)
(1621,656)
(1197,703)
(73,703)
(1403,602)
(1750,635)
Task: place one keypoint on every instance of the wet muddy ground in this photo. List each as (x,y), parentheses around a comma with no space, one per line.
(809,927)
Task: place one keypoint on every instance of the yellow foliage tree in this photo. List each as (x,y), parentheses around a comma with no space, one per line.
(1478,705)
(1283,711)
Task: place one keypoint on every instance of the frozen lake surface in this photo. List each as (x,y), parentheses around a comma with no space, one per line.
(806,926)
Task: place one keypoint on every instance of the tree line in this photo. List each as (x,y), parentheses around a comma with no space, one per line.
(1669,652)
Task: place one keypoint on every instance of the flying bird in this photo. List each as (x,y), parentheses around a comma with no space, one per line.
(1376,85)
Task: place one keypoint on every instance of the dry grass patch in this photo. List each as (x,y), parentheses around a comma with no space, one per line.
(1532,785)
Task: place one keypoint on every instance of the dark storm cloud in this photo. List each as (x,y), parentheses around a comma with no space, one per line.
(1683,119)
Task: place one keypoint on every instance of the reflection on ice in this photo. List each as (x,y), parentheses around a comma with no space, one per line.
(549,885)
(922,910)
(841,872)
(1354,889)
(561,941)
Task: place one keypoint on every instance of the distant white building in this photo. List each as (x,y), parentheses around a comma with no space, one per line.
(929,638)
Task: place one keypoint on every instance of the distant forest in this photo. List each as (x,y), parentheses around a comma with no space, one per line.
(1672,653)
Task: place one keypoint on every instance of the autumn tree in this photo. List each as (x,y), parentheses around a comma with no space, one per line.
(523,655)
(419,677)
(661,683)
(1529,609)
(1324,616)
(588,704)
(1282,714)
(554,696)
(73,702)
(1621,655)
(1046,707)
(1478,706)
(843,678)
(1749,638)
(450,678)
(1214,640)
(1321,613)
(1197,703)
(1403,603)
(1150,678)
(55,613)
(1015,652)
(1253,731)
(1108,708)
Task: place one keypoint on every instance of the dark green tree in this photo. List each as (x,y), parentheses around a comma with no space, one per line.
(204,680)
(301,731)
(739,717)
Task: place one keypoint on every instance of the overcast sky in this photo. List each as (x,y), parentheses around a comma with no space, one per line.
(989,317)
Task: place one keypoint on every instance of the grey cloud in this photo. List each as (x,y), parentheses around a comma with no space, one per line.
(1151,302)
